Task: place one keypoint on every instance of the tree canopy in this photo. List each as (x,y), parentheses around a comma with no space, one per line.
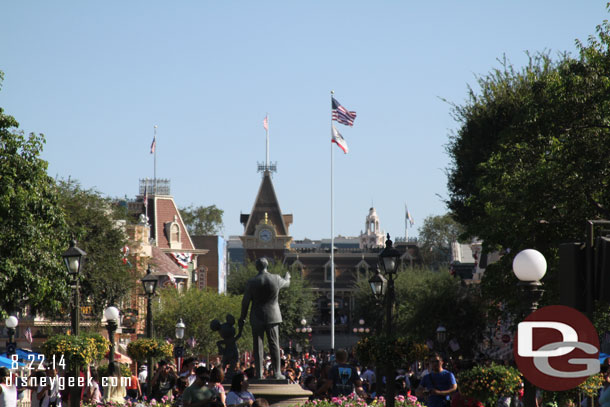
(202,220)
(530,158)
(426,299)
(33,233)
(435,238)
(197,308)
(97,225)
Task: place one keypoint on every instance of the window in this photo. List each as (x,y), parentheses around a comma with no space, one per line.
(327,272)
(362,270)
(175,235)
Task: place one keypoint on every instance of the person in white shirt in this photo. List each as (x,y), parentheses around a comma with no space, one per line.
(8,391)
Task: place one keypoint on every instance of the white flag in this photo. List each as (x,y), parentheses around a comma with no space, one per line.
(338,139)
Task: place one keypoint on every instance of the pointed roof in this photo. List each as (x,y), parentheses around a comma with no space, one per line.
(164,211)
(266,203)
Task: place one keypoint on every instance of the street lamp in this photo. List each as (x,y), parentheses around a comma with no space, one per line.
(441,337)
(441,334)
(529,267)
(149,283)
(378,285)
(11,323)
(179,350)
(74,259)
(180,329)
(112,317)
(389,258)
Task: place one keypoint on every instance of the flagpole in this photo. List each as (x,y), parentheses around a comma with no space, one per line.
(155,163)
(406,223)
(267,151)
(332,238)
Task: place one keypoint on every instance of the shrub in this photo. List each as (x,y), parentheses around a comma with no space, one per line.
(487,383)
(143,348)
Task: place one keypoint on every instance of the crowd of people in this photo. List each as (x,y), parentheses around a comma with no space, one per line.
(199,383)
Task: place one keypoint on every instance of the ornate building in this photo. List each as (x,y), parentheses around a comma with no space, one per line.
(372,236)
(265,227)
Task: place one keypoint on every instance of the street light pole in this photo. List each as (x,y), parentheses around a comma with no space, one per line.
(112,317)
(149,283)
(389,260)
(530,266)
(11,323)
(73,259)
(179,350)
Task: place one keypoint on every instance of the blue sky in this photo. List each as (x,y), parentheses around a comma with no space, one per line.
(94,77)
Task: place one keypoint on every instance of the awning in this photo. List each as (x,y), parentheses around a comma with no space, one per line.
(8,363)
(120,358)
(27,355)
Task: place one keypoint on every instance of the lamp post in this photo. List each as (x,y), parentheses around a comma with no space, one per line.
(112,317)
(179,350)
(73,259)
(389,260)
(11,323)
(149,283)
(529,267)
(441,337)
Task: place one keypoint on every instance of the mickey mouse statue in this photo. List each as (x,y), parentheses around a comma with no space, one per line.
(227,347)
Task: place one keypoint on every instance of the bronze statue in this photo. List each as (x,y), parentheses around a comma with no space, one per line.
(263,291)
(227,347)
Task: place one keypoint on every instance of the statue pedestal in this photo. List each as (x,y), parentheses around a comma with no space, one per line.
(278,392)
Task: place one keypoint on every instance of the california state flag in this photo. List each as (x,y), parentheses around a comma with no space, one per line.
(338,139)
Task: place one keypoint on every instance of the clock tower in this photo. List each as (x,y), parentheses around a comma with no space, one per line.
(266,228)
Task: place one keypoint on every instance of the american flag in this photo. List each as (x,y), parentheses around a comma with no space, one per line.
(266,123)
(191,342)
(28,335)
(153,145)
(342,115)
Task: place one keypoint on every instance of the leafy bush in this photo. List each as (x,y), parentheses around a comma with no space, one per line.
(487,383)
(76,351)
(142,349)
(102,345)
(588,388)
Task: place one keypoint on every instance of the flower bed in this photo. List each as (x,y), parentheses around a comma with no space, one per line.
(351,401)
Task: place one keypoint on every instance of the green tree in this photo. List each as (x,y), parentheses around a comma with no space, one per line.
(529,160)
(197,308)
(202,220)
(296,301)
(435,238)
(97,224)
(426,299)
(33,233)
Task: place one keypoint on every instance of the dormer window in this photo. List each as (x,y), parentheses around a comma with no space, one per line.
(174,234)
